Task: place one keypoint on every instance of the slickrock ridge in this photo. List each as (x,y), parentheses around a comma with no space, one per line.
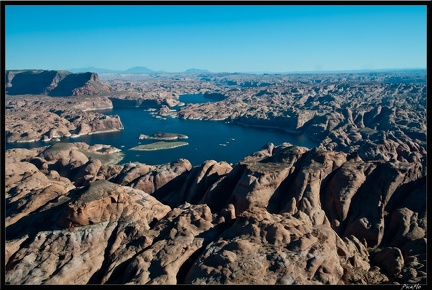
(263,248)
(53,83)
(283,215)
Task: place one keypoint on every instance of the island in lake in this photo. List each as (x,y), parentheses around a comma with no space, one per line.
(351,210)
(163,136)
(161,145)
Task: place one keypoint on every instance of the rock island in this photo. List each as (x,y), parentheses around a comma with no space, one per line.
(163,136)
(160,145)
(349,211)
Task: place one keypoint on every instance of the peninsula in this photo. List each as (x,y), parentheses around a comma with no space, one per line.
(352,210)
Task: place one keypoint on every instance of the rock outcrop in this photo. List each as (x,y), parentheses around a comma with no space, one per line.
(283,215)
(377,120)
(42,118)
(53,83)
(378,115)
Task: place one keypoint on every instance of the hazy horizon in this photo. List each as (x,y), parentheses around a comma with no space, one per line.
(245,72)
(217,38)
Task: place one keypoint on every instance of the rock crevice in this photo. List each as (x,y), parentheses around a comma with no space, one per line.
(283,215)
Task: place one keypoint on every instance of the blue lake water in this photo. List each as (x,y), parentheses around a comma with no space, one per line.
(207,139)
(194,99)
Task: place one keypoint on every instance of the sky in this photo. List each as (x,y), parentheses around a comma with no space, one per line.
(219,38)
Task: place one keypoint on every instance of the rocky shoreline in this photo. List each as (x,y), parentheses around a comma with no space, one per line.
(351,211)
(345,112)
(41,118)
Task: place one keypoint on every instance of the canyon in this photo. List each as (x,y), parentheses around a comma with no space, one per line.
(350,211)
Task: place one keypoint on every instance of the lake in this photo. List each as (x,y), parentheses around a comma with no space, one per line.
(194,99)
(207,139)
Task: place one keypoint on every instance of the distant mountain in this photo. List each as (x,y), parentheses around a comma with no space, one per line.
(132,70)
(196,70)
(145,70)
(138,70)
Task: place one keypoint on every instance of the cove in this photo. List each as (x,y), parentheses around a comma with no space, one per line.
(208,140)
(194,99)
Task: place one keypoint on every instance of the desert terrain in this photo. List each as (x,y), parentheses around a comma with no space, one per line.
(349,211)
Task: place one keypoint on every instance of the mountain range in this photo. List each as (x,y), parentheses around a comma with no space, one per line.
(132,70)
(145,70)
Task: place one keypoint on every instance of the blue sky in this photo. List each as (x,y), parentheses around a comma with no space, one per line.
(220,38)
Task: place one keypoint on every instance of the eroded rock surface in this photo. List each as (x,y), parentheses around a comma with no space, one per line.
(350,211)
(42,118)
(283,215)
(377,115)
(53,83)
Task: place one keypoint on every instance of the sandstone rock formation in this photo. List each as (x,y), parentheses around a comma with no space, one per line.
(53,83)
(377,120)
(350,211)
(377,115)
(283,215)
(41,118)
